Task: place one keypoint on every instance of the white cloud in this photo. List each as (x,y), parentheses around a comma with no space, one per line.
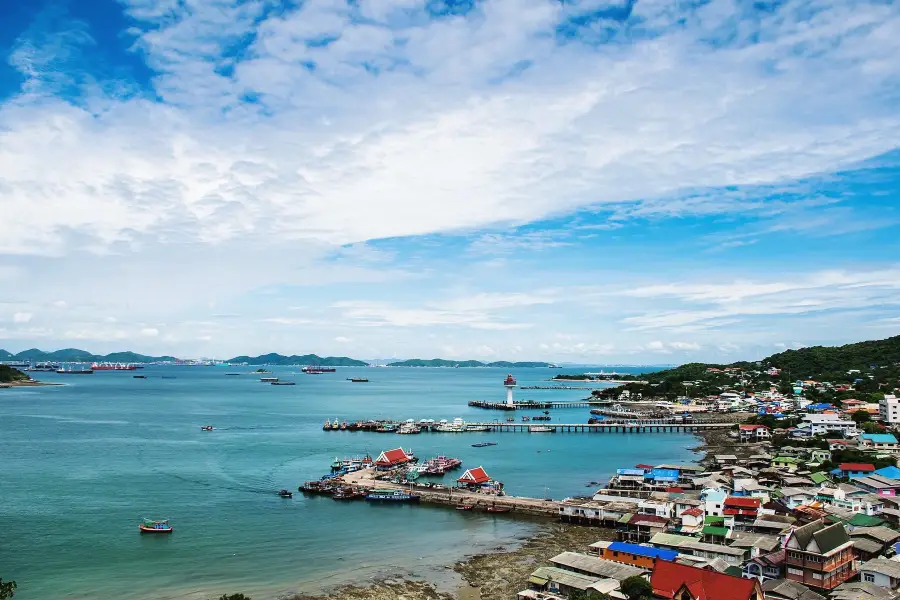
(342,340)
(439,140)
(22,317)
(149,332)
(287,321)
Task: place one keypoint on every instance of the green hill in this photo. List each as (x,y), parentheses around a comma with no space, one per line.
(77,355)
(306,359)
(9,374)
(823,361)
(441,362)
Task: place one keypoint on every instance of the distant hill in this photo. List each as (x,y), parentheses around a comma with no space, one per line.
(305,359)
(440,362)
(76,355)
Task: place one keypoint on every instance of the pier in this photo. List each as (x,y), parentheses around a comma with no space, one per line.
(534,404)
(662,425)
(451,497)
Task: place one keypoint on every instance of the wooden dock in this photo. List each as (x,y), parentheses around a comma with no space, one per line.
(662,425)
(534,404)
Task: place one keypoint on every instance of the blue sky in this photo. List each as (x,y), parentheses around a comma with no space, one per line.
(611,182)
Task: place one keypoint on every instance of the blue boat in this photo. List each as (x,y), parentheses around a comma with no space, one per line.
(391,496)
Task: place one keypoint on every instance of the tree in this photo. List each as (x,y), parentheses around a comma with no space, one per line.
(861,416)
(234,597)
(7,590)
(636,588)
(588,595)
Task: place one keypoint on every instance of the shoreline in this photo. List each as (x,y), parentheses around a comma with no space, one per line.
(12,384)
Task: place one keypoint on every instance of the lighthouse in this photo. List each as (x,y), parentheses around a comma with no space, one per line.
(509,383)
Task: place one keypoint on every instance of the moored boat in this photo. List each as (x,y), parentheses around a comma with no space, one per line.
(464,507)
(152,526)
(207,427)
(540,429)
(386,495)
(484,444)
(358,379)
(498,509)
(285,494)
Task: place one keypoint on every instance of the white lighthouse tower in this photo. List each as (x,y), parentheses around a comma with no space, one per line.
(509,383)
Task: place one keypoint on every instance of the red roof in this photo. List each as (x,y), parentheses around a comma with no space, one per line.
(476,475)
(865,467)
(742,502)
(730,512)
(668,578)
(644,467)
(650,519)
(393,457)
(752,427)
(674,490)
(693,512)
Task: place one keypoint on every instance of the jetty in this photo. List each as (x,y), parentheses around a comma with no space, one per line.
(451,497)
(554,387)
(535,404)
(661,425)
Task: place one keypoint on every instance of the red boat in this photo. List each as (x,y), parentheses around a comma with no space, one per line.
(498,509)
(464,507)
(150,526)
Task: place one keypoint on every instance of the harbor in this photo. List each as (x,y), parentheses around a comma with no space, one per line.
(662,425)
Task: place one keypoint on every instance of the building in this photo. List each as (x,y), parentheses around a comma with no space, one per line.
(594,567)
(644,557)
(692,521)
(878,484)
(740,511)
(475,476)
(878,441)
(639,528)
(785,589)
(754,433)
(821,424)
(851,470)
(882,572)
(819,556)
(794,497)
(869,542)
(674,581)
(391,458)
(558,582)
(889,409)
(788,463)
(766,567)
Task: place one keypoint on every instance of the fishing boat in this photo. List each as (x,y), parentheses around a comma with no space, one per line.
(358,379)
(337,464)
(269,379)
(151,526)
(349,494)
(207,428)
(409,428)
(464,507)
(327,425)
(285,494)
(540,429)
(139,376)
(498,509)
(384,495)
(283,383)
(484,444)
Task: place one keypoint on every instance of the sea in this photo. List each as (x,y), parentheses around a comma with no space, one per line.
(82,463)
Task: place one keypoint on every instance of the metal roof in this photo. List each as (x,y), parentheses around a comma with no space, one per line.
(884,566)
(600,567)
(566,578)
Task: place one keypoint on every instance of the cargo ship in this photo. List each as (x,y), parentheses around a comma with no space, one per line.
(71,371)
(113,367)
(315,370)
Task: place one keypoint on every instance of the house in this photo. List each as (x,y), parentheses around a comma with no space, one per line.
(656,507)
(882,572)
(819,556)
(878,484)
(765,567)
(788,463)
(869,542)
(851,470)
(639,528)
(891,472)
(692,521)
(878,441)
(732,556)
(839,444)
(391,458)
(819,455)
(785,589)
(794,497)
(754,433)
(683,503)
(674,581)
(740,511)
(644,557)
(713,499)
(821,424)
(558,582)
(594,567)
(861,590)
(475,476)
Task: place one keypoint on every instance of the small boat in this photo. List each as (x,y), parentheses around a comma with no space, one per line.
(207,428)
(498,509)
(526,419)
(151,526)
(285,494)
(348,494)
(477,428)
(283,383)
(464,507)
(358,380)
(268,379)
(540,429)
(484,444)
(139,376)
(337,464)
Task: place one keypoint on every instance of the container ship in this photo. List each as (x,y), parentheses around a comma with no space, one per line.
(112,367)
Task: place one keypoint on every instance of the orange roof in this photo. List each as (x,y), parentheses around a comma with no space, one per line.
(476,475)
(388,458)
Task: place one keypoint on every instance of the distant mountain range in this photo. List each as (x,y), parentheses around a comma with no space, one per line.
(440,362)
(294,359)
(76,355)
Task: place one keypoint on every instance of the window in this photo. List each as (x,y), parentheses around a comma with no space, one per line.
(795,571)
(817,576)
(870,577)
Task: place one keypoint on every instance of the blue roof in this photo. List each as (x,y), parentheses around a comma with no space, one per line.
(879,438)
(629,471)
(891,472)
(663,474)
(643,551)
(820,406)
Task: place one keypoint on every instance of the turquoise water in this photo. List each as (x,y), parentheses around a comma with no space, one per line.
(81,464)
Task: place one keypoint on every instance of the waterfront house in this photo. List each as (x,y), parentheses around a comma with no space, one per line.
(785,589)
(643,557)
(878,484)
(754,433)
(597,547)
(884,442)
(639,528)
(765,567)
(552,582)
(852,470)
(819,556)
(882,572)
(390,459)
(476,476)
(594,567)
(675,581)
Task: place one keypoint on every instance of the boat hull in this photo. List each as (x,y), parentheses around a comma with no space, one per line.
(398,500)
(154,530)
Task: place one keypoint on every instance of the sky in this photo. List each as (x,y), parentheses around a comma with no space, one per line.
(636,181)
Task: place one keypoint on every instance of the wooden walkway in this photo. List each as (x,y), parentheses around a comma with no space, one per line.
(534,404)
(652,426)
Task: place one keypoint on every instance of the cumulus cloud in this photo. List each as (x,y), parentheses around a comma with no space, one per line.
(149,332)
(22,317)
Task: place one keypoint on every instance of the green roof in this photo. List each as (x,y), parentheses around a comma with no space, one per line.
(785,459)
(713,519)
(819,477)
(861,520)
(713,530)
(624,518)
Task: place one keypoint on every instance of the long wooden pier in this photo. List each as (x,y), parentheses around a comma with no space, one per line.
(535,404)
(608,426)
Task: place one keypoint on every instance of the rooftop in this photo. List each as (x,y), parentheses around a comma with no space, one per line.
(786,588)
(596,566)
(646,551)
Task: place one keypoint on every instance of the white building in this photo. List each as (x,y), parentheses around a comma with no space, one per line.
(889,409)
(882,572)
(826,423)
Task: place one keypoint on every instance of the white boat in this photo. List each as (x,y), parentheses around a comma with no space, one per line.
(540,429)
(477,428)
